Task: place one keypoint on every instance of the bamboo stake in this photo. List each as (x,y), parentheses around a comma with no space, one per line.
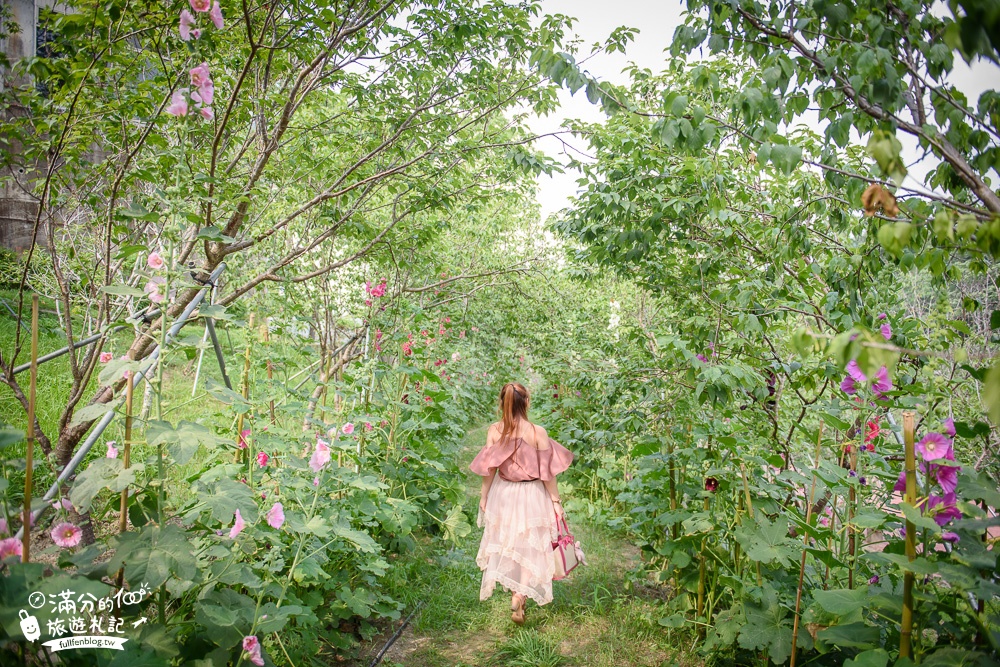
(852,537)
(270,371)
(30,449)
(805,546)
(701,582)
(127,460)
(905,649)
(245,388)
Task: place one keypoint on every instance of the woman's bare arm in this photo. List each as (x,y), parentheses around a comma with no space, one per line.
(487,481)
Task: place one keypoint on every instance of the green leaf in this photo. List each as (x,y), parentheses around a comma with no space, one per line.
(914,516)
(93,412)
(852,635)
(182,441)
(10,436)
(991,393)
(154,554)
(874,658)
(123,290)
(786,157)
(840,602)
(767,542)
(102,473)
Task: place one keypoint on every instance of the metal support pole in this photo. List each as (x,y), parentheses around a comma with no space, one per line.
(210,325)
(139,376)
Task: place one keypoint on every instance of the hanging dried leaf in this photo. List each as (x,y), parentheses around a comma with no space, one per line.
(876,198)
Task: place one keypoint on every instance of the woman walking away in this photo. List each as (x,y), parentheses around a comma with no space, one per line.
(519,504)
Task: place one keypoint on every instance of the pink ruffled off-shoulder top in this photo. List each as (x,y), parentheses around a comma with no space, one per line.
(517,461)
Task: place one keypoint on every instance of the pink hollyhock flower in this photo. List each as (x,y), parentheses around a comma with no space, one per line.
(447,320)
(882,316)
(441,331)
(106,357)
(262,459)
(348,428)
(315,481)
(187,22)
(702,358)
(276,516)
(949,427)
(423,332)
(320,457)
(407,348)
(178,103)
(112,450)
(66,535)
(196,33)
(155,261)
(886,331)
(154,289)
(461,334)
(201,5)
(378,334)
(934,446)
(200,76)
(204,95)
(244,438)
(943,508)
(252,646)
(126,374)
(368,426)
(882,383)
(216,15)
(455,356)
(855,373)
(10,546)
(238,525)
(206,113)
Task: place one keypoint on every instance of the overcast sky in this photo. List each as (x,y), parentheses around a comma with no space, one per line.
(656,22)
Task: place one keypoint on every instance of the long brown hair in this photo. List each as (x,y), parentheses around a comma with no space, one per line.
(514,404)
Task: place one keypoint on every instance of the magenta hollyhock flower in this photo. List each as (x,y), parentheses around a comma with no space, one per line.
(154,289)
(262,459)
(701,357)
(900,485)
(10,546)
(244,438)
(112,450)
(882,383)
(882,316)
(276,516)
(187,22)
(943,508)
(347,428)
(215,13)
(238,525)
(106,357)
(886,331)
(66,535)
(945,476)
(855,373)
(951,537)
(178,103)
(252,647)
(934,446)
(201,5)
(949,427)
(711,484)
(873,580)
(847,385)
(321,456)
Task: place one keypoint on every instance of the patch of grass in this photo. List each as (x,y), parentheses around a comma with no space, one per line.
(528,649)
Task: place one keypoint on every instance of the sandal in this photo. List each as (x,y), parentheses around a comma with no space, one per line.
(517,603)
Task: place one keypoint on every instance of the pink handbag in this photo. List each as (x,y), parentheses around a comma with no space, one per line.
(566,551)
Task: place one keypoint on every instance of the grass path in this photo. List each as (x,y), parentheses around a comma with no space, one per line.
(594,621)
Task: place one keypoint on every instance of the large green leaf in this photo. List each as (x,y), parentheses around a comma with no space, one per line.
(102,473)
(154,554)
(767,542)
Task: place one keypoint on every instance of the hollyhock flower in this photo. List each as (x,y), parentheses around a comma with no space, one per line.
(934,446)
(252,647)
(943,508)
(66,535)
(238,525)
(241,443)
(276,516)
(368,302)
(428,399)
(951,537)
(863,481)
(205,94)
(855,373)
(154,289)
(900,485)
(178,103)
(455,356)
(126,374)
(873,580)
(155,261)
(262,459)
(949,427)
(882,316)
(946,477)
(10,546)
(320,457)
(886,331)
(461,334)
(106,357)
(872,432)
(200,76)
(882,383)
(404,459)
(201,5)
(216,15)
(847,385)
(368,426)
(206,113)
(711,484)
(407,348)
(423,332)
(852,473)
(438,362)
(347,428)
(315,481)
(441,331)
(187,22)
(701,357)
(112,450)
(870,447)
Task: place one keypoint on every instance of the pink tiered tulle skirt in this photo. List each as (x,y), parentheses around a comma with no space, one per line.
(516,551)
